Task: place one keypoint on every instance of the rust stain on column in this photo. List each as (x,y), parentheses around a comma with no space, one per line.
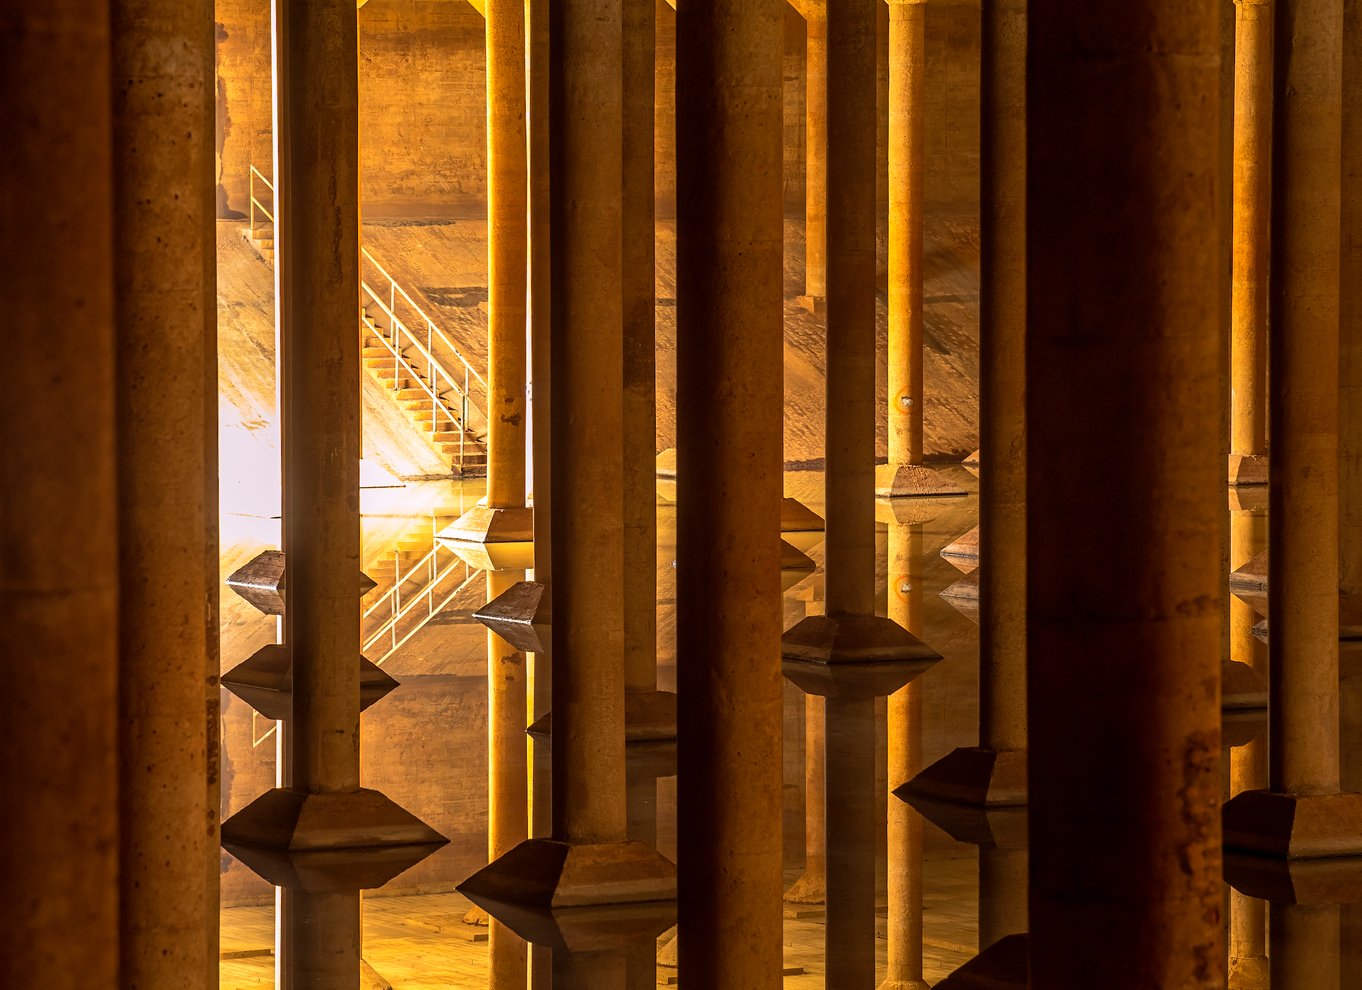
(1124,456)
(59,922)
(165,285)
(506,252)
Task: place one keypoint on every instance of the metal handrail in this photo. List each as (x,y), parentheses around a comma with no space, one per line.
(399,610)
(255,203)
(400,363)
(431,327)
(399,329)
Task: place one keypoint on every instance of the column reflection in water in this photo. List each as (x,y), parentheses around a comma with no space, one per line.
(1247,763)
(904,859)
(851,824)
(1304,946)
(322,939)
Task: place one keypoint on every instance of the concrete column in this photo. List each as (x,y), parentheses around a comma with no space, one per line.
(812,885)
(638,283)
(507,259)
(507,956)
(1002,892)
(1248,764)
(1305,945)
(849,547)
(324,940)
(58,715)
(1303,508)
(1248,298)
(1123,453)
(318,247)
(849,928)
(994,772)
(1350,327)
(166,303)
(586,345)
(507,821)
(537,29)
(585,170)
(504,518)
(904,716)
(904,475)
(730,240)
(815,156)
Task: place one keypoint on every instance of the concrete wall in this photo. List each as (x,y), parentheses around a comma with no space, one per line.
(423,124)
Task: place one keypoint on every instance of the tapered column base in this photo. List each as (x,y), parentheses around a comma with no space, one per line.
(852,655)
(971,461)
(482,524)
(1250,973)
(808,889)
(265,682)
(1294,826)
(973,775)
(904,985)
(1248,469)
(519,615)
(817,305)
(649,716)
(331,842)
(545,874)
(1243,704)
(963,552)
(1001,966)
(966,589)
(914,481)
(261,581)
(1320,881)
(800,526)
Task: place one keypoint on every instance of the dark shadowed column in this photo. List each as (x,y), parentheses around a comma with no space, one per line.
(1123,454)
(58,553)
(729,388)
(167,313)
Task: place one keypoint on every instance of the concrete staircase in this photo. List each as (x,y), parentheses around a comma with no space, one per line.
(419,367)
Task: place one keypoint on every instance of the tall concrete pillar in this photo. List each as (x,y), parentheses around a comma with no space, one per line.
(904,474)
(317,286)
(994,772)
(59,713)
(904,716)
(166,303)
(815,156)
(1350,327)
(504,518)
(1303,813)
(1123,453)
(1248,297)
(587,430)
(650,714)
(850,655)
(730,239)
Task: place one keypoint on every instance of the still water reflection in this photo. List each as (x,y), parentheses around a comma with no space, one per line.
(918,907)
